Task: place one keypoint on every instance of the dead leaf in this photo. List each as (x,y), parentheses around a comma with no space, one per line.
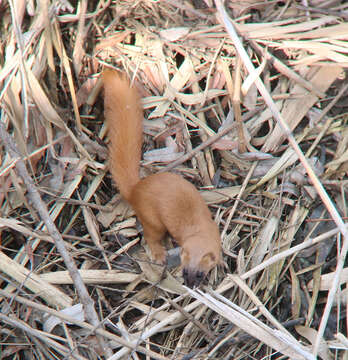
(174,34)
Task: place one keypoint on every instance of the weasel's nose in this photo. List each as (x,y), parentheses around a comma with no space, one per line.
(192,278)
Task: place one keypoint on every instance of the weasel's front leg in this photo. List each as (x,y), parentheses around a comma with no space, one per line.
(153,238)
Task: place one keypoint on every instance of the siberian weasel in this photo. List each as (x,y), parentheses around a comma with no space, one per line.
(163,202)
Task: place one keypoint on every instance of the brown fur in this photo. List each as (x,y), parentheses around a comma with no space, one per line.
(163,202)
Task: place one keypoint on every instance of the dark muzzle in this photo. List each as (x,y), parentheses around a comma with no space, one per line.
(192,278)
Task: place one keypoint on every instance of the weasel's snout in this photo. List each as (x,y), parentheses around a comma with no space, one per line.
(193,278)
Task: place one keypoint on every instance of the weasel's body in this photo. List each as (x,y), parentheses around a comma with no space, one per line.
(163,202)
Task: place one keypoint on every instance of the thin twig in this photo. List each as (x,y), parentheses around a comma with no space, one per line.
(200,147)
(242,148)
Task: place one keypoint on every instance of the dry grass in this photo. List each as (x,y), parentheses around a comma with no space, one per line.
(274,180)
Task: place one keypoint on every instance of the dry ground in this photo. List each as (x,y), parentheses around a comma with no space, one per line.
(272,165)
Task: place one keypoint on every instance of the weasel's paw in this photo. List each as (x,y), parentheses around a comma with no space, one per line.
(160,256)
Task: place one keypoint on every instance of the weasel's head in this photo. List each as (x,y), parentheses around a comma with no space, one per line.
(199,255)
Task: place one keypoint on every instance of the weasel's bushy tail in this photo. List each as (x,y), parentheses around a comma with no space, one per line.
(124,117)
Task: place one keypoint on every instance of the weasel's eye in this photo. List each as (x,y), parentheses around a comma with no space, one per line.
(185,273)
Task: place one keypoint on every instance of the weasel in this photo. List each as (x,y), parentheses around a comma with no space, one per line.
(163,202)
